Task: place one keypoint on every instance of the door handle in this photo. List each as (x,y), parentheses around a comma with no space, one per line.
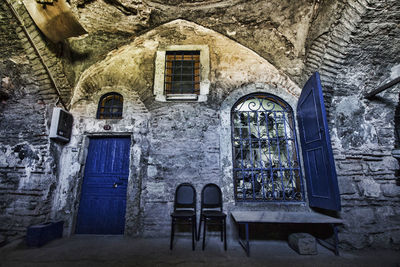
(115,185)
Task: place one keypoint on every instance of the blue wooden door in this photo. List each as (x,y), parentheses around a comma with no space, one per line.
(319,165)
(103,198)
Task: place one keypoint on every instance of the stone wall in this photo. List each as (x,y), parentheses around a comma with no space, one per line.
(73,158)
(355,56)
(173,142)
(27,158)
(190,152)
(255,46)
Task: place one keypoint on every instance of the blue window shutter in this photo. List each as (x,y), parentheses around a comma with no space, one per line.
(319,164)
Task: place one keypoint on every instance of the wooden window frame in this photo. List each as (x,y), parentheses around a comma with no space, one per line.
(179,79)
(160,92)
(103,111)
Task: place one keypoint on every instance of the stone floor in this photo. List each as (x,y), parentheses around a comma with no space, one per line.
(85,250)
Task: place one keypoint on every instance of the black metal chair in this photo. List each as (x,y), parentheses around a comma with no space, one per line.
(184,210)
(211,211)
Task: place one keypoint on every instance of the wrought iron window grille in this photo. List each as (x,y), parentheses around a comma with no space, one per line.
(110,106)
(265,155)
(182,72)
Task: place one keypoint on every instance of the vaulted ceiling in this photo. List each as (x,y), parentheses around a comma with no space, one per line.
(353,43)
(298,37)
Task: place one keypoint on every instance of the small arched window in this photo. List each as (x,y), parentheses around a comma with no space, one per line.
(110,106)
(265,155)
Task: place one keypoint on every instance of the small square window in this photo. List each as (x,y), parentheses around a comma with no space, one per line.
(182,72)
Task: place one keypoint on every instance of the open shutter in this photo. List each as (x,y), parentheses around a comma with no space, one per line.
(319,165)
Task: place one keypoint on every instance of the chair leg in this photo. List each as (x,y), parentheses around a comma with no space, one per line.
(222,229)
(195,228)
(224,225)
(193,231)
(172,234)
(199,232)
(204,232)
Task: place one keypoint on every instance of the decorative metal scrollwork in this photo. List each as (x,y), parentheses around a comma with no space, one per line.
(265,155)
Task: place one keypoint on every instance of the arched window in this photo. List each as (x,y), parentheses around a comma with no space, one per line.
(265,155)
(110,106)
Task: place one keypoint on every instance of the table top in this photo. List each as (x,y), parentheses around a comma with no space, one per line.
(282,217)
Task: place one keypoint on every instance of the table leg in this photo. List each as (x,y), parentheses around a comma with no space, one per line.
(245,243)
(247,240)
(335,239)
(329,245)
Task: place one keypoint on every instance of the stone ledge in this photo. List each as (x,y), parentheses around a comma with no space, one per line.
(396,153)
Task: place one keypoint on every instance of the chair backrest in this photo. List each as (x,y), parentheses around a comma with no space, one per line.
(185,197)
(211,197)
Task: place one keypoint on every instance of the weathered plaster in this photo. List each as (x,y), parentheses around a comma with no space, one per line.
(133,124)
(232,65)
(353,44)
(184,141)
(204,70)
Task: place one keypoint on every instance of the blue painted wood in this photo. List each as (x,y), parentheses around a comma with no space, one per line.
(38,235)
(319,164)
(103,197)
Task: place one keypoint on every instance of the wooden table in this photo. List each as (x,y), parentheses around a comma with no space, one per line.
(246,217)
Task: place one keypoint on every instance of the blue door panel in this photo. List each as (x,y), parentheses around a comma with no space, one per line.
(103,197)
(316,160)
(319,164)
(310,116)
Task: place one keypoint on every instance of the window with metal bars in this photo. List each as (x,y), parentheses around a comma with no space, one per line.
(265,154)
(182,72)
(110,106)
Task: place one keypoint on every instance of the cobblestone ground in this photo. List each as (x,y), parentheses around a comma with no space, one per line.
(124,251)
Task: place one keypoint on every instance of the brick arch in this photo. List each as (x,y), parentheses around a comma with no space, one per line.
(327,53)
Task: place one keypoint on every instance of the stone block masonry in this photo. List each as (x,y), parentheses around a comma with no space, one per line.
(181,151)
(354,45)
(27,159)
(303,243)
(362,131)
